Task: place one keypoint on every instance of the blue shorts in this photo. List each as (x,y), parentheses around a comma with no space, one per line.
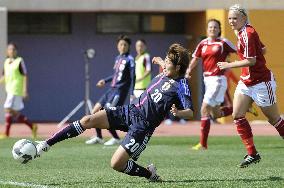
(128,119)
(113,97)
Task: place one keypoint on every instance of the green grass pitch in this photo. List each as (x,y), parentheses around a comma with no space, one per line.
(74,164)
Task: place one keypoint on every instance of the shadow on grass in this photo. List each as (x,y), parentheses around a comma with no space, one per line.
(94,182)
(273,147)
(271,178)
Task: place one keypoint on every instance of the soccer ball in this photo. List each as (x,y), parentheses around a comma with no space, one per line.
(24,151)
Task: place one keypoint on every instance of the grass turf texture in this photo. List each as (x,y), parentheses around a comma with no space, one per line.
(74,164)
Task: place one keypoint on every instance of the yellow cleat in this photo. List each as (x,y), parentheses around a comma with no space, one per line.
(253,111)
(34,131)
(3,136)
(198,147)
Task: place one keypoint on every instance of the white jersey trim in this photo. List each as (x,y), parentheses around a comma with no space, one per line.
(229,43)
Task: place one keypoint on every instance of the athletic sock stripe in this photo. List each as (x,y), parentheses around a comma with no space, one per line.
(240,123)
(78,127)
(240,120)
(129,166)
(205,118)
(278,123)
(127,170)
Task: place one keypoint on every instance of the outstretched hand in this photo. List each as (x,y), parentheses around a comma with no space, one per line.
(187,74)
(101,83)
(223,65)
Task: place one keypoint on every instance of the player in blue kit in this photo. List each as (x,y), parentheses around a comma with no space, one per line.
(168,92)
(122,80)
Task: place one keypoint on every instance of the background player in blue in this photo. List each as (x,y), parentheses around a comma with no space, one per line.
(122,80)
(168,91)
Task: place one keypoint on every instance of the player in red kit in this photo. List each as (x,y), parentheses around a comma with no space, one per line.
(257,83)
(212,50)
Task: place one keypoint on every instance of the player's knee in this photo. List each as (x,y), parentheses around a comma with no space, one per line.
(214,116)
(117,165)
(11,112)
(204,111)
(234,115)
(85,121)
(237,115)
(273,119)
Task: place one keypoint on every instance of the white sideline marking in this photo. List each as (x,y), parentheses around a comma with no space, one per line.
(21,184)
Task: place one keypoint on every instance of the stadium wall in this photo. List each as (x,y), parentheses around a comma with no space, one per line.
(56,66)
(49,57)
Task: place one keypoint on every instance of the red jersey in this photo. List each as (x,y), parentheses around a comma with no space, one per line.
(212,52)
(250,46)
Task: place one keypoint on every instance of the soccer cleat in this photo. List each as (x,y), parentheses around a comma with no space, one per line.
(95,140)
(183,122)
(199,147)
(168,122)
(42,147)
(253,111)
(154,176)
(34,131)
(112,141)
(250,159)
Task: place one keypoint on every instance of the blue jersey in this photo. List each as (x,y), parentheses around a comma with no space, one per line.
(123,78)
(155,103)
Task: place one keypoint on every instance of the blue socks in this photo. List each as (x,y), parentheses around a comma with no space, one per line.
(72,130)
(134,169)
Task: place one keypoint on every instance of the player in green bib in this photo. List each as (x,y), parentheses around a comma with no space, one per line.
(15,79)
(142,68)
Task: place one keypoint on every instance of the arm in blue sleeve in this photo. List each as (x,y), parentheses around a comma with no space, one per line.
(108,79)
(185,95)
(187,102)
(132,76)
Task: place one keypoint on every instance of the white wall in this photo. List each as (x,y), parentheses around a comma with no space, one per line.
(3,43)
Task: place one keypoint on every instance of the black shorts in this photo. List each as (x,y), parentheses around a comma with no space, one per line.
(113,97)
(139,131)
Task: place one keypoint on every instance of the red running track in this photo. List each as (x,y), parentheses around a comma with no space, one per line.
(189,129)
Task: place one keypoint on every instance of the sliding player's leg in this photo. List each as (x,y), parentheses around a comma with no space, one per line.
(121,162)
(97,120)
(125,157)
